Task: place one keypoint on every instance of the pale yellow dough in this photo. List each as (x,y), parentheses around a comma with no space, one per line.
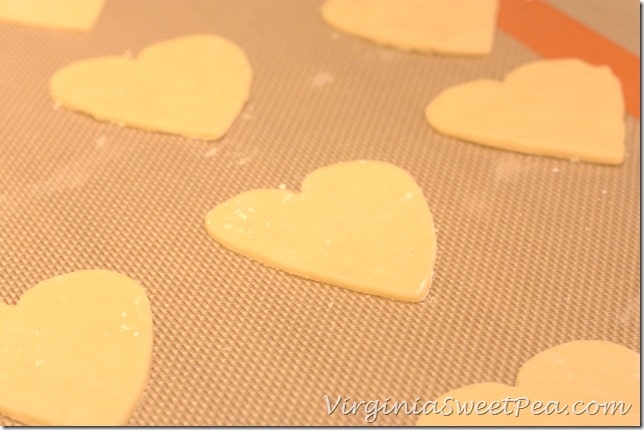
(579,371)
(76,350)
(193,86)
(560,108)
(72,15)
(450,27)
(362,225)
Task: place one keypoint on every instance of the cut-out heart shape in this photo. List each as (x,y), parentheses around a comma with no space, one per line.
(560,108)
(361,225)
(451,27)
(581,376)
(75,350)
(73,15)
(193,86)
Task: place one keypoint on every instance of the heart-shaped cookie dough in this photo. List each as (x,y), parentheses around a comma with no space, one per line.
(560,108)
(450,27)
(362,225)
(73,15)
(193,86)
(581,376)
(75,350)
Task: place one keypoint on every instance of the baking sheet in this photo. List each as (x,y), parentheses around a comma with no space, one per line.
(532,252)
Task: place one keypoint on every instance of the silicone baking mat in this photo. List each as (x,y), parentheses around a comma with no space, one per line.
(532,251)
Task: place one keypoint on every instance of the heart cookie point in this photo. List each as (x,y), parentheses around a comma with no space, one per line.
(560,108)
(578,377)
(77,350)
(193,86)
(362,225)
(71,15)
(449,27)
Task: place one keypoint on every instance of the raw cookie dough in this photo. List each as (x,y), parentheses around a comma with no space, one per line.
(560,108)
(73,15)
(451,27)
(579,371)
(361,225)
(76,350)
(193,86)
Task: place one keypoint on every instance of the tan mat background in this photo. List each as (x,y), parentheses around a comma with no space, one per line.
(533,252)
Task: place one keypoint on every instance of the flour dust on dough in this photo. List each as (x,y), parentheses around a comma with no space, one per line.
(76,350)
(584,371)
(193,86)
(449,27)
(71,15)
(361,225)
(562,108)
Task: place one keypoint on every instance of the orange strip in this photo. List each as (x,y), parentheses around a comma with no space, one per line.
(553,34)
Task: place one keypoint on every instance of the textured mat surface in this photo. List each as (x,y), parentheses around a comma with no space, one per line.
(533,252)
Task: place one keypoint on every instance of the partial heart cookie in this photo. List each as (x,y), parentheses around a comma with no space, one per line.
(193,86)
(578,383)
(560,108)
(73,15)
(449,27)
(76,350)
(362,225)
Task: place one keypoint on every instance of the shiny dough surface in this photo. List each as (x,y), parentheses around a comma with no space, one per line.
(72,15)
(76,350)
(449,27)
(561,108)
(582,371)
(361,225)
(193,86)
